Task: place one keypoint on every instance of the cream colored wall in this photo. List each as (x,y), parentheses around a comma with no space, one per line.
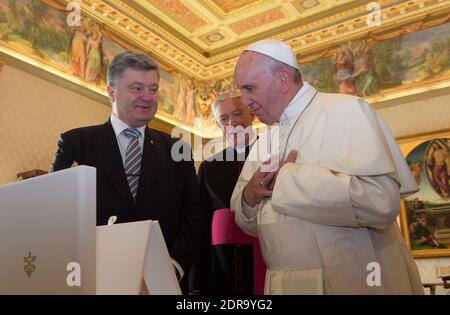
(420,116)
(33,112)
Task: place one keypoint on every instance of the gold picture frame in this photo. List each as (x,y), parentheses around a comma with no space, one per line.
(425,215)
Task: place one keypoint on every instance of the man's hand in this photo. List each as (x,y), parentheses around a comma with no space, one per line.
(261,184)
(256,189)
(292,156)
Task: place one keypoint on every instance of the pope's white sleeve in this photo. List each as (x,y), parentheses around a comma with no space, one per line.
(316,194)
(248,212)
(245,216)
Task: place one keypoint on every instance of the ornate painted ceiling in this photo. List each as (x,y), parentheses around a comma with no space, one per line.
(202,38)
(214,26)
(197,42)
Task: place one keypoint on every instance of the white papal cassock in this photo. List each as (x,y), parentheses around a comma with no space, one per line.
(333,211)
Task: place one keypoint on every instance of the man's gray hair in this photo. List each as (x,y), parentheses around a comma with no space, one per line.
(129,59)
(296,74)
(222,98)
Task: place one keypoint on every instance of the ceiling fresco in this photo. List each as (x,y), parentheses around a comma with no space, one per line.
(212,26)
(203,38)
(197,42)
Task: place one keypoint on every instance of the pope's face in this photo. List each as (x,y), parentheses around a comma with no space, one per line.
(134,97)
(259,87)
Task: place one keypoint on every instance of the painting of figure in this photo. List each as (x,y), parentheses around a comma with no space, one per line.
(438,167)
(344,66)
(319,73)
(364,68)
(425,55)
(165,92)
(93,55)
(35,29)
(427,212)
(416,168)
(366,79)
(351,70)
(421,235)
(109,50)
(86,52)
(78,52)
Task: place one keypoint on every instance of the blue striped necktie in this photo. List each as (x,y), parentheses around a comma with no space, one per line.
(133,157)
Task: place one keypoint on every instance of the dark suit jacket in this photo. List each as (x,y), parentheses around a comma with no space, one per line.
(168,190)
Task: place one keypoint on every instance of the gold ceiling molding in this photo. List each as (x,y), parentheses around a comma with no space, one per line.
(267,18)
(55,5)
(228,7)
(316,36)
(414,27)
(180,12)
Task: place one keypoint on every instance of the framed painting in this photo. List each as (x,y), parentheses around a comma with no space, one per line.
(425,215)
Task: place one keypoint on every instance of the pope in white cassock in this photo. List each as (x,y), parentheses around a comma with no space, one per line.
(325,215)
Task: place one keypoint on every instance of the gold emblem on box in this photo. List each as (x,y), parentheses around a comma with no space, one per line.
(29,267)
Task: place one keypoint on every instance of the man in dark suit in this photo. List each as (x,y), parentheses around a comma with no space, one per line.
(137,178)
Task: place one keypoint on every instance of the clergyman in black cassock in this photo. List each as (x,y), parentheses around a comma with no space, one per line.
(230,262)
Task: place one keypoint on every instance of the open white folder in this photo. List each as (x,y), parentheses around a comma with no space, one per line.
(129,252)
